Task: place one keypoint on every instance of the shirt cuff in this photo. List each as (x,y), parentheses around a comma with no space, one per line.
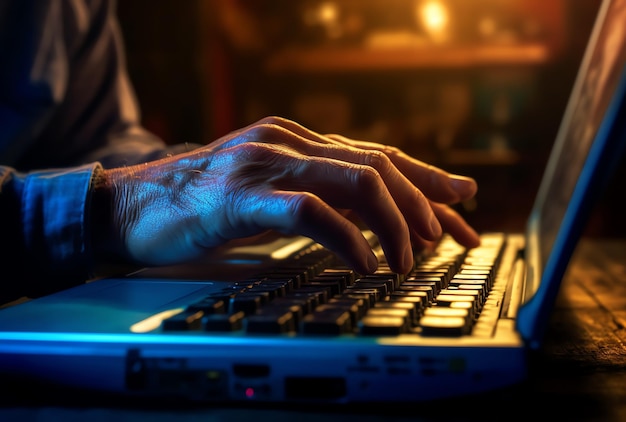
(55,222)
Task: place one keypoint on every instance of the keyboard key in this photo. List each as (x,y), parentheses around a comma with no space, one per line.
(467,306)
(297,311)
(292,277)
(442,326)
(418,303)
(402,294)
(381,287)
(347,274)
(481,282)
(297,306)
(365,298)
(434,282)
(396,304)
(430,294)
(390,283)
(310,299)
(384,273)
(186,320)
(285,285)
(339,311)
(440,277)
(208,306)
(223,322)
(334,286)
(477,273)
(248,302)
(382,326)
(321,293)
(355,306)
(456,301)
(329,321)
(373,294)
(440,311)
(271,320)
(474,294)
(393,312)
(473,288)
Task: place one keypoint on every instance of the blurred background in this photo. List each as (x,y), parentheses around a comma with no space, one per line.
(475,87)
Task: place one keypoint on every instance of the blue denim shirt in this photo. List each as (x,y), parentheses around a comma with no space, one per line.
(66,109)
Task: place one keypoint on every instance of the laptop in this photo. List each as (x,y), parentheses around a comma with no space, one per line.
(283,321)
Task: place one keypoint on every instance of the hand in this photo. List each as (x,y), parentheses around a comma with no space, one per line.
(278,175)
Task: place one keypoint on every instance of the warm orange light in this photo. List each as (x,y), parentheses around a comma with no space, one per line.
(328,13)
(433,15)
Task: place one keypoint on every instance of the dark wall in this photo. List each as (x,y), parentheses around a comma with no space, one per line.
(162,44)
(184,94)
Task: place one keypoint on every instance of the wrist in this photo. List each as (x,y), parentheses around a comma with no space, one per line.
(106,244)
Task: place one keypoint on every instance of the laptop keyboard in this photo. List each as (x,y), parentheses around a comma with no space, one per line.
(451,292)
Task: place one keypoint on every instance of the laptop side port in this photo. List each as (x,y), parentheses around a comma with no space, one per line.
(250,370)
(172,377)
(315,388)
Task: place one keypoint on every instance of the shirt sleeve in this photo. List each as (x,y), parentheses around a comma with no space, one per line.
(44,221)
(67,109)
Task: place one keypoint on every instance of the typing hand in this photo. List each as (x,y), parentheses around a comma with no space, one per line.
(278,175)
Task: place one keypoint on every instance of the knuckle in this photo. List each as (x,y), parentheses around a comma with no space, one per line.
(253,166)
(272,120)
(253,152)
(390,150)
(266,131)
(367,179)
(303,206)
(378,160)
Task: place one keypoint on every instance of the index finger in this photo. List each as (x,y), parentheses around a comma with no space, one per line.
(437,184)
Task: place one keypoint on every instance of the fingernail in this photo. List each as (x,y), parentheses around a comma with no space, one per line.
(464,186)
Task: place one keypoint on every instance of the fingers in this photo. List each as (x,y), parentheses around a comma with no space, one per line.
(454,224)
(338,184)
(436,183)
(393,193)
(401,172)
(308,215)
(410,200)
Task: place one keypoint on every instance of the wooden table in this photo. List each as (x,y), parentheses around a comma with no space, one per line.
(579,376)
(583,365)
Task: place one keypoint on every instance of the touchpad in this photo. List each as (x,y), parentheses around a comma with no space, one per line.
(103,306)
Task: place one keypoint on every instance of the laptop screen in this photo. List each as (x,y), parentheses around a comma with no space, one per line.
(589,118)
(588,145)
